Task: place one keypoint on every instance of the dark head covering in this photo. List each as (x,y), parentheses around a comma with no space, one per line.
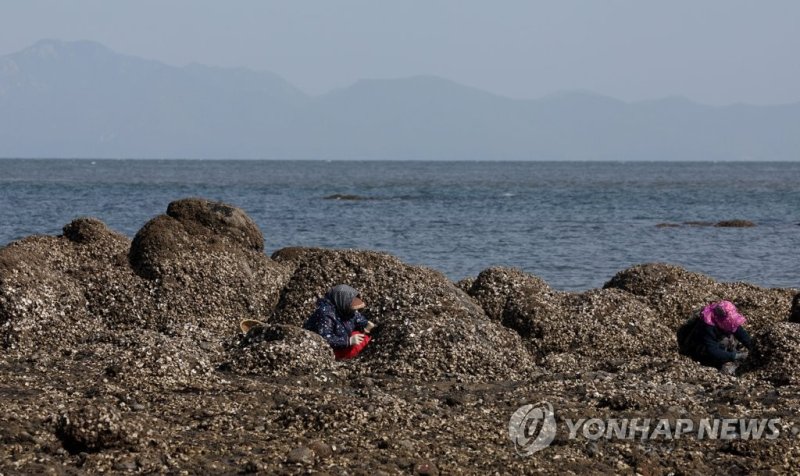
(342,297)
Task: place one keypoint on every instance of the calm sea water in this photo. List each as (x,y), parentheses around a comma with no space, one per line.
(573,224)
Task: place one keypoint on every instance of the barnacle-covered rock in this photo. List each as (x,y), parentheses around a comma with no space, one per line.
(674,293)
(736,223)
(761,306)
(207,260)
(428,328)
(280,350)
(159,361)
(493,287)
(794,314)
(778,349)
(670,290)
(90,230)
(107,369)
(601,326)
(91,427)
(385,283)
(40,304)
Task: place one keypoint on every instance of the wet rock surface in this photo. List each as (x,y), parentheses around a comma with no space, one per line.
(120,356)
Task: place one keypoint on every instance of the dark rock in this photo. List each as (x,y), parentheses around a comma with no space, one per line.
(202,217)
(206,260)
(598,326)
(125,465)
(668,225)
(698,223)
(15,432)
(670,290)
(454,400)
(321,449)
(426,468)
(647,279)
(493,287)
(344,196)
(151,374)
(778,349)
(735,224)
(191,226)
(41,304)
(90,428)
(465,284)
(301,455)
(89,229)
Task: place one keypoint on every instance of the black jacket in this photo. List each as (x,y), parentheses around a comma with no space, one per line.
(704,343)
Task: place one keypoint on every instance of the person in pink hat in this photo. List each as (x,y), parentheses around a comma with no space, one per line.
(718,336)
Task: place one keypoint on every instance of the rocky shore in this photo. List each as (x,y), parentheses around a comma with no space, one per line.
(121,355)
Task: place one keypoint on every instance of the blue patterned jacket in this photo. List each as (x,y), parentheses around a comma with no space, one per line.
(325,322)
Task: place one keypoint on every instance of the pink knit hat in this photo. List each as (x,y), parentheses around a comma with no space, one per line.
(724,315)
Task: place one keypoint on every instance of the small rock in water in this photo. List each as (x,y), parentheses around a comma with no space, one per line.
(344,196)
(735,224)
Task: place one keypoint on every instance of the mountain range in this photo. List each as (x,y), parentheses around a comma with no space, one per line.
(81,99)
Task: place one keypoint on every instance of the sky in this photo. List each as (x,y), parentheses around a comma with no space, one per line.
(711,51)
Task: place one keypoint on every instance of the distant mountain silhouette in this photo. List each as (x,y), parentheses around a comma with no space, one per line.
(80,99)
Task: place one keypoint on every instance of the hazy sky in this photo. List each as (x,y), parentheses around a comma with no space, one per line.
(712,51)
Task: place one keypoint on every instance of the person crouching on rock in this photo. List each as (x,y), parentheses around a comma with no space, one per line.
(716,336)
(338,321)
(794,314)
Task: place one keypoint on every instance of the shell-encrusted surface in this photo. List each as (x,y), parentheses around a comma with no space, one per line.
(126,357)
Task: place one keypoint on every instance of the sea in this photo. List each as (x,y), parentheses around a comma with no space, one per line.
(574,224)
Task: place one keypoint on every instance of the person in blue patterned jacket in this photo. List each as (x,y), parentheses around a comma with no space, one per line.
(338,321)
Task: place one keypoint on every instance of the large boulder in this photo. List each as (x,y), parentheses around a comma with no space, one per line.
(92,231)
(56,291)
(428,328)
(114,293)
(386,284)
(778,350)
(208,263)
(671,291)
(494,286)
(674,293)
(42,307)
(93,427)
(168,244)
(599,327)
